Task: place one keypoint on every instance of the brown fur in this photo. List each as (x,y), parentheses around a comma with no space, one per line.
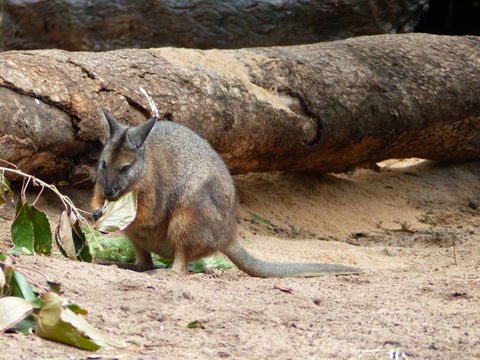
(98,199)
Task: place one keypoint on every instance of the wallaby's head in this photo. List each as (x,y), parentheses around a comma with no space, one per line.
(123,156)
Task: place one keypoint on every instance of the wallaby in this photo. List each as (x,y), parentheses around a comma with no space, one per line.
(186,198)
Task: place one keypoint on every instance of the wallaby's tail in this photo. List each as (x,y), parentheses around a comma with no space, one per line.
(260,268)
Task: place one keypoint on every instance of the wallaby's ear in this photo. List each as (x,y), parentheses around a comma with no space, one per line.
(137,135)
(113,126)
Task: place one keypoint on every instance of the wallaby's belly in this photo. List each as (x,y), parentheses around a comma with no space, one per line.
(152,239)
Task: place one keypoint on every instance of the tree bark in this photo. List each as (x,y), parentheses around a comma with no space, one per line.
(326,107)
(107,25)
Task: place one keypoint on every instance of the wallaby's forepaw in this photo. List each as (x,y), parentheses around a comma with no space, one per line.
(97,214)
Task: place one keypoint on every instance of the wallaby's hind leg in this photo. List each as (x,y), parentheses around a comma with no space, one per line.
(143,258)
(180,262)
(187,237)
(178,235)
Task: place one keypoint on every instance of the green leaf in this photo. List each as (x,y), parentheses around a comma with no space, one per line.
(117,215)
(13,310)
(22,227)
(42,242)
(195,324)
(25,326)
(77,309)
(81,244)
(57,322)
(56,287)
(71,239)
(22,288)
(31,229)
(161,261)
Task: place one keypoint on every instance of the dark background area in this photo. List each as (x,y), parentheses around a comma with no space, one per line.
(451,17)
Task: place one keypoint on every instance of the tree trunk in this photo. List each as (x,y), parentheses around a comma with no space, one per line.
(107,25)
(326,107)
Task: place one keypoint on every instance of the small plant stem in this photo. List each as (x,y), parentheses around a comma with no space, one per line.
(9,163)
(67,202)
(38,196)
(152,104)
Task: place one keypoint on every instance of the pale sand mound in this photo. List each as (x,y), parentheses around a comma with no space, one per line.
(406,226)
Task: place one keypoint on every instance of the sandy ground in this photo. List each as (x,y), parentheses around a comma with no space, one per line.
(412,228)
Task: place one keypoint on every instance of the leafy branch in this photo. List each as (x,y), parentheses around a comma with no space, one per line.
(45,311)
(67,202)
(31,228)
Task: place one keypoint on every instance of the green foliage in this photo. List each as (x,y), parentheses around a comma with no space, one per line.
(49,315)
(195,324)
(22,288)
(24,309)
(31,229)
(22,229)
(118,249)
(25,326)
(213,262)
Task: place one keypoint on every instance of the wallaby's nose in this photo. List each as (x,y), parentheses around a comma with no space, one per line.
(109,193)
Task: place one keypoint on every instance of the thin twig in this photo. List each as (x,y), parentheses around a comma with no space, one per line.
(24,186)
(30,269)
(38,196)
(31,280)
(9,163)
(152,104)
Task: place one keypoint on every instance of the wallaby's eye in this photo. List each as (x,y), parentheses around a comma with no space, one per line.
(103,165)
(125,169)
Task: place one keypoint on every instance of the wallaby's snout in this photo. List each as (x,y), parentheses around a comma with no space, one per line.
(110,192)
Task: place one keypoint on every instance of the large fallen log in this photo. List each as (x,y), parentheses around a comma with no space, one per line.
(107,24)
(324,107)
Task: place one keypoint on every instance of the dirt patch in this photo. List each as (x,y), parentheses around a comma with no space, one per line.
(413,229)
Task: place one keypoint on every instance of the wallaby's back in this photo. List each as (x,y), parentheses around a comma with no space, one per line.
(187,203)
